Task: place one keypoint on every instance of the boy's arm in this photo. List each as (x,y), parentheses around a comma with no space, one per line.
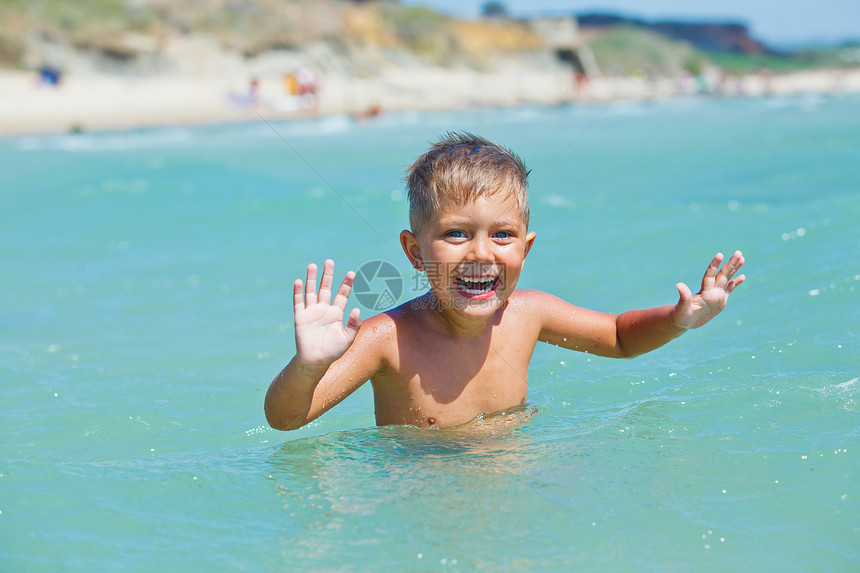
(327,366)
(636,332)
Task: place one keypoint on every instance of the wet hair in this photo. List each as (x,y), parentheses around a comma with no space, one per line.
(458,169)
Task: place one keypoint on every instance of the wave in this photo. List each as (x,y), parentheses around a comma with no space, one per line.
(114,141)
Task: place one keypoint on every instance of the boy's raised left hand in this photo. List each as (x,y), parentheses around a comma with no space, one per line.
(693,311)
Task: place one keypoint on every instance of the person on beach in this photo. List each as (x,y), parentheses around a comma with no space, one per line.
(463,348)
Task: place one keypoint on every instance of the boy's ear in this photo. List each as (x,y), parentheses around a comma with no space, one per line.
(410,245)
(530,240)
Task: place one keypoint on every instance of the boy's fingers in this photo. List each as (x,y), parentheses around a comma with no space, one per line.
(714,265)
(737,261)
(325,284)
(735,282)
(354,322)
(298,296)
(343,292)
(311,285)
(684,292)
(711,272)
(732,266)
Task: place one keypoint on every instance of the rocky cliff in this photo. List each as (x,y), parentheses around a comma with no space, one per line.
(141,36)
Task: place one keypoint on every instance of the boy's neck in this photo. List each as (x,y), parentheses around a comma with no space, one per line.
(456,324)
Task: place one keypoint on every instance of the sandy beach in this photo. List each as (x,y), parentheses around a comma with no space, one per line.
(94,102)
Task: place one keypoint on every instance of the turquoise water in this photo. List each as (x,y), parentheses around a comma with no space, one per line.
(146,282)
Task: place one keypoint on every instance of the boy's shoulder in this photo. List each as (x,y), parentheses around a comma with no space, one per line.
(526,295)
(530,299)
(384,336)
(540,306)
(383,328)
(380,326)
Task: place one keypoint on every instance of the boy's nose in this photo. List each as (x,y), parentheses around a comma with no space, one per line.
(481,249)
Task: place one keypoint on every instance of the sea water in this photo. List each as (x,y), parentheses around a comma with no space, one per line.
(146,284)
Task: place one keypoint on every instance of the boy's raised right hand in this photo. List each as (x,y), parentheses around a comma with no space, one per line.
(321,337)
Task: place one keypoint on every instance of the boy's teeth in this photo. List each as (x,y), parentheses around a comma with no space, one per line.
(476,286)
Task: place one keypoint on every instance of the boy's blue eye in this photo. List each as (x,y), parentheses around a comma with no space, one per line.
(503,235)
(456,234)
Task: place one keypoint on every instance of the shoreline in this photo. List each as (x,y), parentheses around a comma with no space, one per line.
(95,103)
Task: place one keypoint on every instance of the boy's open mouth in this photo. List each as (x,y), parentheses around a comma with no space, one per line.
(476,286)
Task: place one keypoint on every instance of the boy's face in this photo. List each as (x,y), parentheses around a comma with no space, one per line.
(473,254)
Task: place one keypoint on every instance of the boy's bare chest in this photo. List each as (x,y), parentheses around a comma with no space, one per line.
(449,382)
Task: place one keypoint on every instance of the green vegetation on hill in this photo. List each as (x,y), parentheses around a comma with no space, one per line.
(625,50)
(90,23)
(809,59)
(251,27)
(421,28)
(71,16)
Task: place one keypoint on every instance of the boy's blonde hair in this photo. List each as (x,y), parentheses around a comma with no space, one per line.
(458,169)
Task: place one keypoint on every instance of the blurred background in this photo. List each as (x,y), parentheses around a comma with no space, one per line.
(147,275)
(97,64)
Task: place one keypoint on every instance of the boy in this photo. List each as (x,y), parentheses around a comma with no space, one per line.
(463,348)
